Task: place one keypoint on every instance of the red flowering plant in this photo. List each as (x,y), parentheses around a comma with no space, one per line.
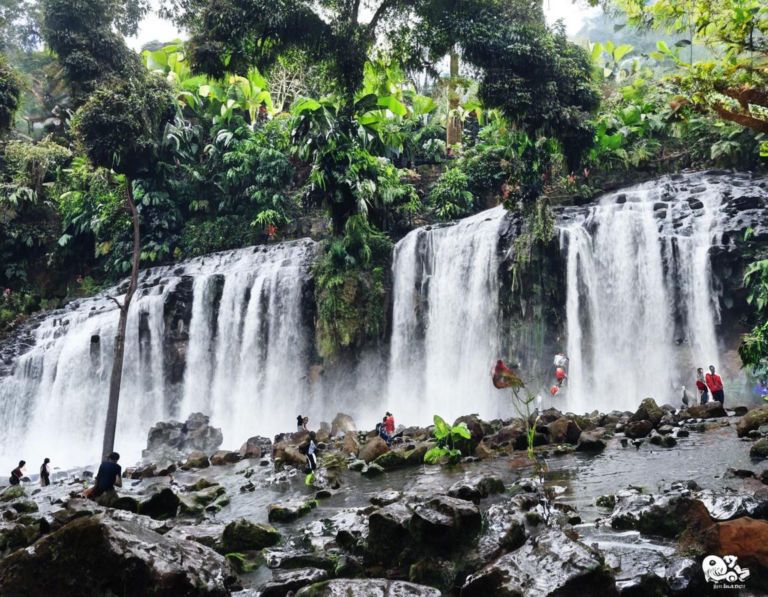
(522,398)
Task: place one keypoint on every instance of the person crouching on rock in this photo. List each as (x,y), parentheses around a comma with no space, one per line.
(17,473)
(308,448)
(109,475)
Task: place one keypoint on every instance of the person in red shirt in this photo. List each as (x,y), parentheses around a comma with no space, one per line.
(715,385)
(701,385)
(389,426)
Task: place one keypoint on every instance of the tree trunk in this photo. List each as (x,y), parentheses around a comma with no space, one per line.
(117,365)
(454,127)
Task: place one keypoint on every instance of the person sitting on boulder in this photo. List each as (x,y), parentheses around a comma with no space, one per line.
(715,384)
(701,386)
(109,475)
(381,430)
(17,473)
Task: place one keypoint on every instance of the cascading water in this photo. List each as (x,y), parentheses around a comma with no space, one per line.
(445,320)
(642,308)
(245,340)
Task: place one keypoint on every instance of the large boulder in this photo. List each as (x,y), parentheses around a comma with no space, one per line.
(243,535)
(564,431)
(476,488)
(648,411)
(752,421)
(256,447)
(372,449)
(667,516)
(351,445)
(711,410)
(197,459)
(638,429)
(747,539)
(759,450)
(548,565)
(343,424)
(284,582)
(478,429)
(222,457)
(591,441)
(174,440)
(445,520)
(388,534)
(368,587)
(161,505)
(96,555)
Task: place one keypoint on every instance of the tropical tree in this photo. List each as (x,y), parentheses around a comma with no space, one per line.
(10,95)
(732,81)
(121,119)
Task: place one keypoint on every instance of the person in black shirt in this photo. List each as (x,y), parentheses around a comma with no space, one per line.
(16,473)
(108,476)
(45,473)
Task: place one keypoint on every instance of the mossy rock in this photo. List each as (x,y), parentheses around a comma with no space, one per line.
(373,470)
(759,450)
(189,507)
(356,466)
(606,501)
(390,460)
(13,493)
(25,507)
(204,484)
(17,537)
(208,495)
(127,503)
(289,512)
(440,574)
(243,535)
(221,502)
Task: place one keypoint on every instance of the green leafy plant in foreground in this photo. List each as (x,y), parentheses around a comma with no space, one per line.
(447,438)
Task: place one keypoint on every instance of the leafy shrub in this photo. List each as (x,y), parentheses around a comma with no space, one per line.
(433,151)
(210,236)
(451,197)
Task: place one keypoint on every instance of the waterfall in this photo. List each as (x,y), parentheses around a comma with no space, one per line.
(445,335)
(642,309)
(238,317)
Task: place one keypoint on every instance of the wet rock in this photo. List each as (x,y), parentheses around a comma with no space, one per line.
(372,449)
(94,555)
(356,465)
(242,535)
(564,431)
(711,410)
(478,429)
(351,445)
(727,506)
(435,572)
(385,498)
(390,460)
(643,586)
(638,429)
(176,438)
(343,424)
(740,411)
(510,434)
(666,516)
(127,503)
(223,457)
(288,512)
(416,456)
(759,450)
(208,494)
(752,421)
(606,501)
(654,438)
(388,534)
(14,536)
(550,564)
(284,582)
(591,442)
(197,459)
(444,519)
(476,488)
(256,447)
(13,493)
(367,588)
(483,452)
(684,576)
(668,441)
(205,534)
(648,411)
(373,470)
(163,504)
(25,507)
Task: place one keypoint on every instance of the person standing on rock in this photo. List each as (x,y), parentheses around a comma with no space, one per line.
(701,385)
(45,473)
(109,475)
(300,424)
(17,473)
(311,458)
(715,384)
(389,425)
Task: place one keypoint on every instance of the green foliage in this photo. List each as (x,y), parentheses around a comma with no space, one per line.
(210,236)
(754,346)
(450,196)
(122,125)
(14,308)
(351,282)
(447,439)
(10,95)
